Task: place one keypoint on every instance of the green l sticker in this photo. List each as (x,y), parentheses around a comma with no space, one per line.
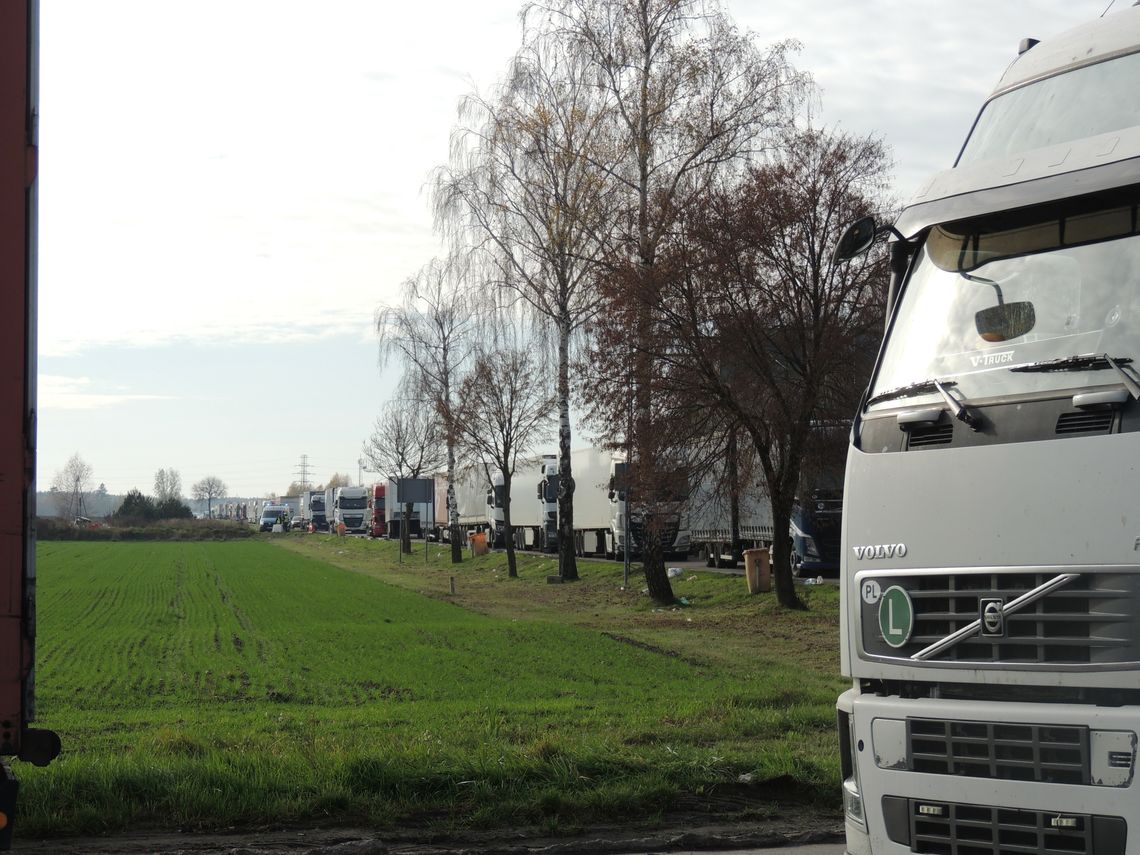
(896,616)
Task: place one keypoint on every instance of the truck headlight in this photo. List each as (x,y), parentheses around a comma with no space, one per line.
(849,764)
(853,802)
(811,551)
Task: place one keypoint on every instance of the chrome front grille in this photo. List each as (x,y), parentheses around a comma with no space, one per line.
(950,828)
(1014,752)
(1085,621)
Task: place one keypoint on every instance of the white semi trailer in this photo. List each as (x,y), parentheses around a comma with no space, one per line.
(480,504)
(990,569)
(471,501)
(595,513)
(711,525)
(530,512)
(600,507)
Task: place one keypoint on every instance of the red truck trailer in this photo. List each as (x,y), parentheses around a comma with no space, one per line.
(18,167)
(379,526)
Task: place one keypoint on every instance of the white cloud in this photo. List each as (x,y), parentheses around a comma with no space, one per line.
(57,392)
(262,179)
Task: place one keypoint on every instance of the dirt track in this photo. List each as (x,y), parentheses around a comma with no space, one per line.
(796,827)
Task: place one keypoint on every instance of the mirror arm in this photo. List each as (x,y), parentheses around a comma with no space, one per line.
(901,252)
(888,229)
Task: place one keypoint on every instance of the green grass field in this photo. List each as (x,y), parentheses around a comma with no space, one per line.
(208,685)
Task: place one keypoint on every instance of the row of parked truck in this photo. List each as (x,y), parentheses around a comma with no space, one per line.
(696,519)
(323,510)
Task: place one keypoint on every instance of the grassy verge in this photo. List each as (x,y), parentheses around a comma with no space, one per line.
(207,685)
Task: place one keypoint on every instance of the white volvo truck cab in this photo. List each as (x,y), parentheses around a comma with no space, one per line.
(990,565)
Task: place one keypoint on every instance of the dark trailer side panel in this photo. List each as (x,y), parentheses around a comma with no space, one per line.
(18,167)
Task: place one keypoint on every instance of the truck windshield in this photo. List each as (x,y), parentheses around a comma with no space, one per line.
(317,504)
(1014,289)
(350,504)
(1085,102)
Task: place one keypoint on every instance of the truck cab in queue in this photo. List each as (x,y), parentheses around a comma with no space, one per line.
(351,509)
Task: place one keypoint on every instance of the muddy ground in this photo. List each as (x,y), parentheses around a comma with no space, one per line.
(788,826)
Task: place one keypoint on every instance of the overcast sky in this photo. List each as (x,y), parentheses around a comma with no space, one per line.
(229,189)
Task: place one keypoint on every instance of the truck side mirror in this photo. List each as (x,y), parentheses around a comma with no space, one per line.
(856,239)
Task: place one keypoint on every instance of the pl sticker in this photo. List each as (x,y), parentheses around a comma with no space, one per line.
(871,591)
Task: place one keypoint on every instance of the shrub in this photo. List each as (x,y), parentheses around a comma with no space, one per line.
(50,528)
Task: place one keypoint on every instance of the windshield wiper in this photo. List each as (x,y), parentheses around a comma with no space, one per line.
(911,389)
(957,408)
(1087,362)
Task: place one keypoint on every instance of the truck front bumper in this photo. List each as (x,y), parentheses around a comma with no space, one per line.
(933,775)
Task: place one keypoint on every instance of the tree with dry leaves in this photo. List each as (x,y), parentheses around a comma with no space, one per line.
(752,321)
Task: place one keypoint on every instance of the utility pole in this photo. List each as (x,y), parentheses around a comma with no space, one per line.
(304,472)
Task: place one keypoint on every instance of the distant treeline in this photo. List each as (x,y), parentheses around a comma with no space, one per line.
(51,528)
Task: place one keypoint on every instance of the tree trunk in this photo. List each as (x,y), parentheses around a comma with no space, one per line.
(406,530)
(643,467)
(452,507)
(508,529)
(567,561)
(653,557)
(733,462)
(782,552)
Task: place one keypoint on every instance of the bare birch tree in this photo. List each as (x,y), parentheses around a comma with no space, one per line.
(406,442)
(432,331)
(525,191)
(693,98)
